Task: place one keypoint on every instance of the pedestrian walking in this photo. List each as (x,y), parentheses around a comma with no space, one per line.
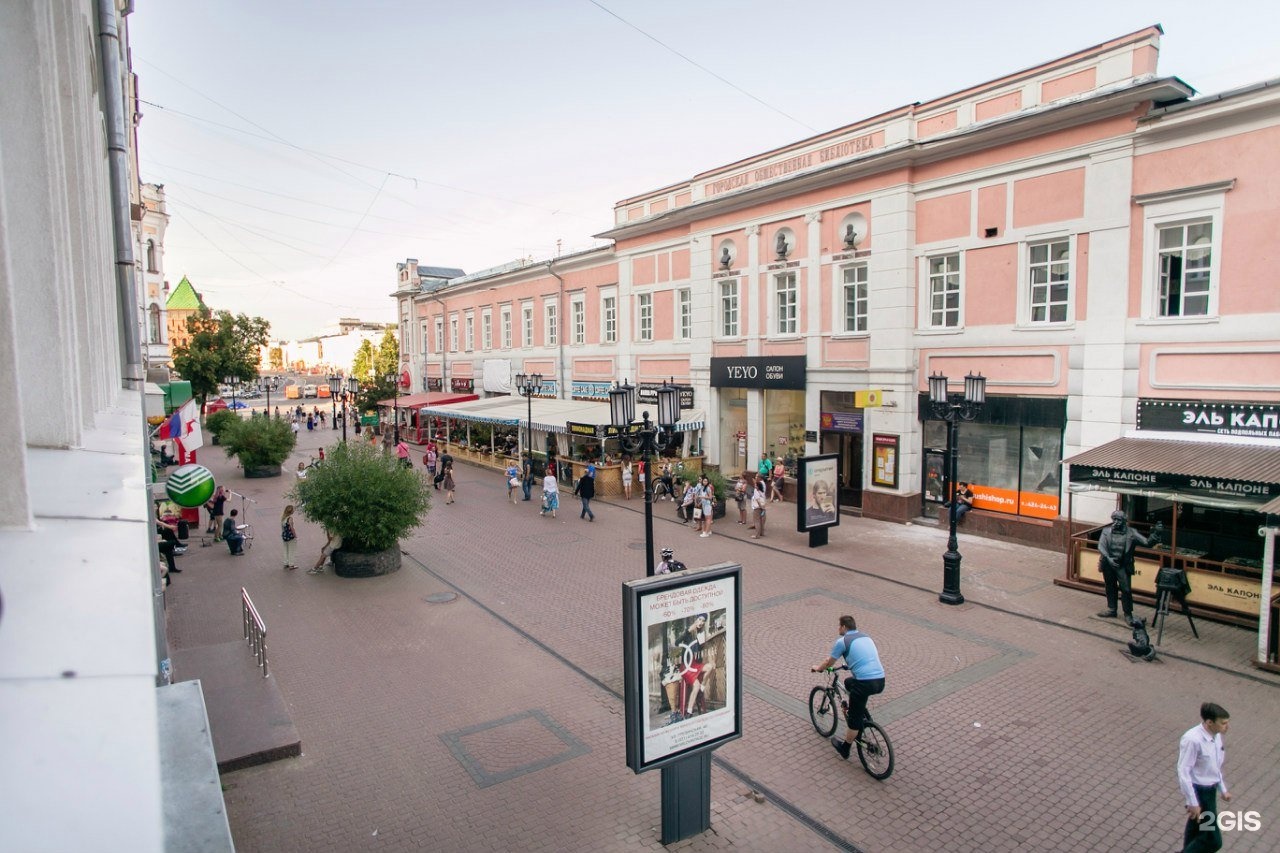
(759,505)
(706,504)
(1200,758)
(402,454)
(586,490)
(289,535)
(526,476)
(740,498)
(513,480)
(430,459)
(294,427)
(777,480)
(448,483)
(626,478)
(550,492)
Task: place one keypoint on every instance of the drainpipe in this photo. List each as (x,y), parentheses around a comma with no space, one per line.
(109,50)
(559,325)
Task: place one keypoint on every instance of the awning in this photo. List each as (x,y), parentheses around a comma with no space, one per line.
(495,410)
(549,415)
(426,398)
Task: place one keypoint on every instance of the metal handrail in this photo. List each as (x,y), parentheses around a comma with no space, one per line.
(255,630)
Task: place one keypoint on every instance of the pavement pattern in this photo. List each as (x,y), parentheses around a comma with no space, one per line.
(472,700)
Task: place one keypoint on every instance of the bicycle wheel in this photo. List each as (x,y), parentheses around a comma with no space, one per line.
(875,751)
(824,712)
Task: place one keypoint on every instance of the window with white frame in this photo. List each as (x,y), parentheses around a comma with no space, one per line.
(453,333)
(579,309)
(471,331)
(1185,263)
(424,339)
(684,313)
(506,327)
(1049,281)
(609,310)
(729,308)
(944,291)
(853,298)
(526,325)
(784,304)
(440,334)
(553,324)
(486,330)
(644,301)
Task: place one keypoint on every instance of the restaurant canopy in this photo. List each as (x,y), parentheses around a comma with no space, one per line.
(549,415)
(426,398)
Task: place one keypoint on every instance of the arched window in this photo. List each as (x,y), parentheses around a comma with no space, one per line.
(153,324)
(151,256)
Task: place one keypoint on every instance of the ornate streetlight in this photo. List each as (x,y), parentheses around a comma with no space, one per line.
(269,384)
(646,440)
(233,381)
(395,406)
(335,388)
(954,409)
(348,397)
(528,384)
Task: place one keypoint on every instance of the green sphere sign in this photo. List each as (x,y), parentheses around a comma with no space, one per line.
(190,485)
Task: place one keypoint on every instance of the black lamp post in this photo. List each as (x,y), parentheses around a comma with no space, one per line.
(269,384)
(335,388)
(528,384)
(348,397)
(233,381)
(953,410)
(647,440)
(395,407)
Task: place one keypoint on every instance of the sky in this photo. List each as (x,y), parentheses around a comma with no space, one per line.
(308,146)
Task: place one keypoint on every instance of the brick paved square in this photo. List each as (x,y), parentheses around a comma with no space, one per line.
(504,749)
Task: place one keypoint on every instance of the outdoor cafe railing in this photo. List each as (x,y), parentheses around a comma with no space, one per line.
(255,630)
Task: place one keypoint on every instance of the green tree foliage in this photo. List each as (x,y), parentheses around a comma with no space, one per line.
(387,358)
(258,442)
(221,345)
(276,357)
(220,421)
(362,366)
(364,495)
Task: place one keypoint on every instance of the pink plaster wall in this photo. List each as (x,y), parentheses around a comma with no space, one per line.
(673,233)
(664,321)
(644,270)
(635,213)
(593,368)
(819,198)
(990,283)
(934,125)
(658,205)
(729,350)
(999,105)
(1081,274)
(992,207)
(1144,60)
(679,264)
(657,369)
(943,218)
(1069,84)
(1057,197)
(843,351)
(1046,367)
(663,261)
(833,235)
(1204,373)
(683,198)
(782,348)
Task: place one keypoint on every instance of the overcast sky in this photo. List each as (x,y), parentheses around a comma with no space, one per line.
(307,146)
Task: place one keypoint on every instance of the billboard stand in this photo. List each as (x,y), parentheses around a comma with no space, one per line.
(817,496)
(686,797)
(818,536)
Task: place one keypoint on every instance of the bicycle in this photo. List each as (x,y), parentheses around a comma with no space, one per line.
(827,704)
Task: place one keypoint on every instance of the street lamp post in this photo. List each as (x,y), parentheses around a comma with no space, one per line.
(233,381)
(349,393)
(395,406)
(953,410)
(269,384)
(647,440)
(528,384)
(335,388)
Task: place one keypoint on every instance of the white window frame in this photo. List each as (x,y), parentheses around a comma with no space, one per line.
(684,314)
(578,313)
(926,291)
(506,327)
(551,313)
(1026,288)
(609,318)
(729,302)
(453,333)
(440,334)
(785,319)
(425,338)
(471,331)
(1181,207)
(526,324)
(644,316)
(860,319)
(486,329)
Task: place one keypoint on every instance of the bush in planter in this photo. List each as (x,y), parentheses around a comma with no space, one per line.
(261,444)
(365,496)
(219,422)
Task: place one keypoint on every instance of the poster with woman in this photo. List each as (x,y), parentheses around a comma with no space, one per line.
(818,499)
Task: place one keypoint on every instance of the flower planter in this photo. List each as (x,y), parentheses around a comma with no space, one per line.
(349,564)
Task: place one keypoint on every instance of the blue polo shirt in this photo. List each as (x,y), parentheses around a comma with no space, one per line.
(859,652)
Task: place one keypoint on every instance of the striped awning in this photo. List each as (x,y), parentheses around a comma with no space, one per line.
(1251,463)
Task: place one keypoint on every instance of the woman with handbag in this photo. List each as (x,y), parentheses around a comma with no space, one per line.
(290,537)
(759,505)
(513,480)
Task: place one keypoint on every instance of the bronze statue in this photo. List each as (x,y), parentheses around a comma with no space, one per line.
(1115,548)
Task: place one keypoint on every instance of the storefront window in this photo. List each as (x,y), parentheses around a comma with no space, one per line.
(733,429)
(784,425)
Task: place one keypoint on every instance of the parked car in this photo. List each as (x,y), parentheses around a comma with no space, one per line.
(308,390)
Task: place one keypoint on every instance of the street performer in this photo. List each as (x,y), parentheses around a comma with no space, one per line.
(1115,548)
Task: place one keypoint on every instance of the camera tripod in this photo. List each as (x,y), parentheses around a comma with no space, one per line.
(1170,583)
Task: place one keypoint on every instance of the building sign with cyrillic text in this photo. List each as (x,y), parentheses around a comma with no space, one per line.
(779,372)
(1249,420)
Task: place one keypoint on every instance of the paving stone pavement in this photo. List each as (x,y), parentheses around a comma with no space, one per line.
(495,721)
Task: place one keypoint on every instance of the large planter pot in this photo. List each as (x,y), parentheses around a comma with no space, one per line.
(717,510)
(257,472)
(350,564)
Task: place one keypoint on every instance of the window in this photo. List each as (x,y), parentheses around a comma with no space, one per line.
(645,301)
(453,333)
(471,332)
(526,325)
(729,308)
(151,256)
(553,325)
(784,293)
(579,321)
(855,298)
(684,312)
(153,323)
(506,327)
(440,334)
(610,319)
(424,338)
(1185,260)
(486,330)
(1049,274)
(944,291)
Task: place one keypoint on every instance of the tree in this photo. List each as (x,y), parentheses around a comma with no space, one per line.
(362,366)
(223,345)
(387,358)
(276,357)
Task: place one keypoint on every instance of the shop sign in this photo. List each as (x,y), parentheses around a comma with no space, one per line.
(1172,482)
(884,452)
(589,430)
(590,390)
(841,421)
(647,392)
(611,431)
(461,386)
(434,383)
(547,390)
(1252,420)
(779,372)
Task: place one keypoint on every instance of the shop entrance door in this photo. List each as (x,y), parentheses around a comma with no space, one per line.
(849,446)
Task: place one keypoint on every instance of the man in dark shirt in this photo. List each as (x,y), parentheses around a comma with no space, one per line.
(526,475)
(1115,549)
(231,533)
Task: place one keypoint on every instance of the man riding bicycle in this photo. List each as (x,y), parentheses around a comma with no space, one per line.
(866,677)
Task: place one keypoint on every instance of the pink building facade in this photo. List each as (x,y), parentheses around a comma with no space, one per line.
(1084,233)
